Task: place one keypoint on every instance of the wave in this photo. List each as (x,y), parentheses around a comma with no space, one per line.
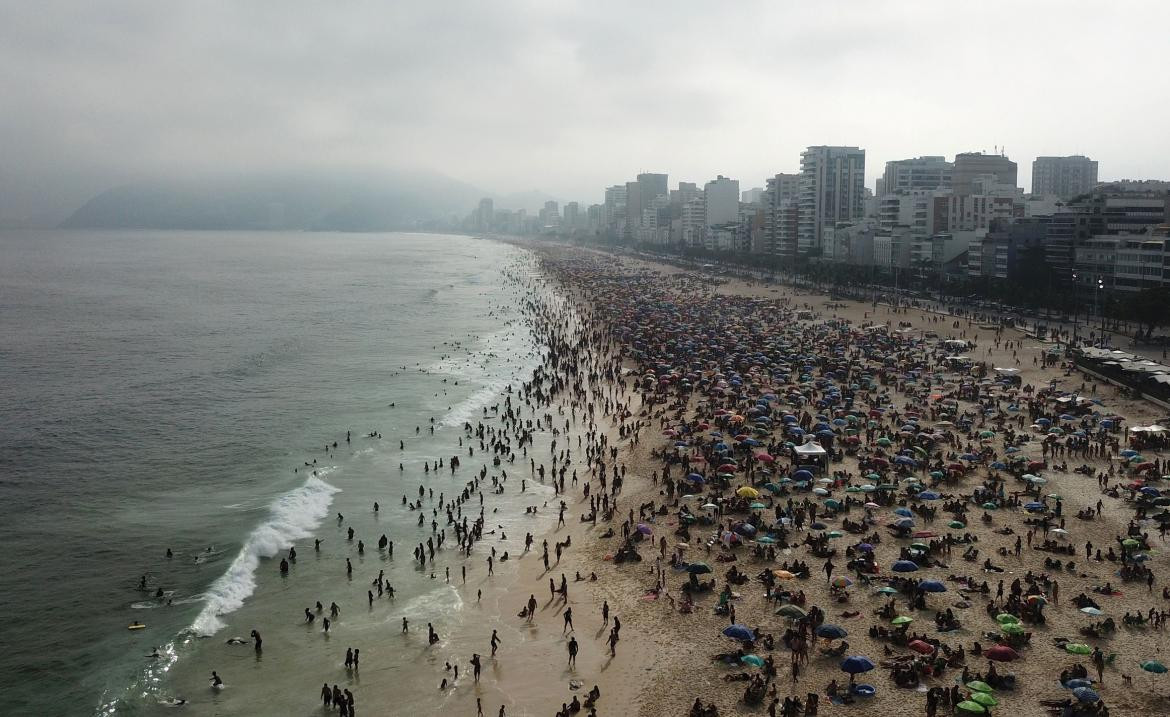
(294,515)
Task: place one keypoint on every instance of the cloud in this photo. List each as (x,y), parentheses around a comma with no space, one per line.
(567,97)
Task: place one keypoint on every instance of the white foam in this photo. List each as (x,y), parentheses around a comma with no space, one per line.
(294,516)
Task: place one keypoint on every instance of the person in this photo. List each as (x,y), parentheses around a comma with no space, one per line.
(568,620)
(495,642)
(215,679)
(475,665)
(256,640)
(326,695)
(572,651)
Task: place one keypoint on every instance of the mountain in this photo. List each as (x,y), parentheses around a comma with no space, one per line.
(350,201)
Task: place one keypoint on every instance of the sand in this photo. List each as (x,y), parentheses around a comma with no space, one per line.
(664,657)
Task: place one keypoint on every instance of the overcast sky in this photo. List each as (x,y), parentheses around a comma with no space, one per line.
(566,97)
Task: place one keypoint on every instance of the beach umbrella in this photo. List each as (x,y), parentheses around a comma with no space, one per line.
(971,707)
(1092,611)
(739,632)
(919,646)
(1001,653)
(1154,666)
(1006,618)
(856,664)
(928,495)
(904,566)
(747,492)
(820,491)
(886,591)
(1086,694)
(698,568)
(984,699)
(644,529)
(956,524)
(791,611)
(841,581)
(832,632)
(1130,543)
(710,506)
(1012,628)
(783,574)
(865,547)
(979,686)
(904,512)
(932,586)
(902,620)
(1073,684)
(755,660)
(757,505)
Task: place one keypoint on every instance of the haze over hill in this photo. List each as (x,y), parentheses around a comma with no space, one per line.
(332,202)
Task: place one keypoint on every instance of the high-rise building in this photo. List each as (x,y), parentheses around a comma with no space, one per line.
(1064,177)
(570,220)
(694,222)
(907,175)
(722,198)
(752,196)
(972,165)
(550,215)
(635,203)
(485,215)
(652,186)
(832,189)
(781,214)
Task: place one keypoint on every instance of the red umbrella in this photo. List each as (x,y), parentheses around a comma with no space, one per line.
(1001,653)
(726,468)
(919,646)
(766,458)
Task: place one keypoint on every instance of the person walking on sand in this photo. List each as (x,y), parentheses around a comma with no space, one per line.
(604,613)
(568,620)
(495,642)
(531,607)
(613,641)
(572,652)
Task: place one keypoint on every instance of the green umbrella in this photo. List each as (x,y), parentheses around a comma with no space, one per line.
(835,533)
(972,707)
(757,506)
(1012,628)
(987,434)
(984,699)
(1005,618)
(1130,543)
(832,503)
(979,686)
(920,546)
(1154,666)
(850,489)
(767,540)
(887,591)
(957,525)
(1078,648)
(791,611)
(902,620)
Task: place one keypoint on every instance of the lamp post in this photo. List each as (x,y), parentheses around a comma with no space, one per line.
(1096,295)
(1076,306)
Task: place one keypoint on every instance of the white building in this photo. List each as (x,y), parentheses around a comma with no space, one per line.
(832,189)
(722,197)
(1064,177)
(920,173)
(694,222)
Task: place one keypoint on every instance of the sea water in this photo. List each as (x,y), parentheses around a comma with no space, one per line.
(183,391)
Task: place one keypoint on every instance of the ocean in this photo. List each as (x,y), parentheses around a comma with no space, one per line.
(183,391)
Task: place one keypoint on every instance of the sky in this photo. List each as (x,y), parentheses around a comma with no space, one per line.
(564,97)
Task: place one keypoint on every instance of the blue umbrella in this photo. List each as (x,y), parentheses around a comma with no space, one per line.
(833,632)
(904,512)
(905,460)
(802,475)
(739,632)
(932,586)
(928,495)
(904,523)
(695,478)
(856,664)
(1086,694)
(1079,682)
(999,465)
(1034,505)
(905,566)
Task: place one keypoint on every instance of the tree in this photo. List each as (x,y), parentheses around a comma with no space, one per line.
(1149,308)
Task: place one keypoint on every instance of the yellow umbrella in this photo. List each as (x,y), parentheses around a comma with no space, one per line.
(748,492)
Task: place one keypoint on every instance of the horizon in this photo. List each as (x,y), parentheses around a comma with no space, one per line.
(566,103)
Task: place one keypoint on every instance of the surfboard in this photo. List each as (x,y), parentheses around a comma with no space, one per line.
(137,626)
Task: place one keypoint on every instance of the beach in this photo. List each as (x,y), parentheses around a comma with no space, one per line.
(683,645)
(743,477)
